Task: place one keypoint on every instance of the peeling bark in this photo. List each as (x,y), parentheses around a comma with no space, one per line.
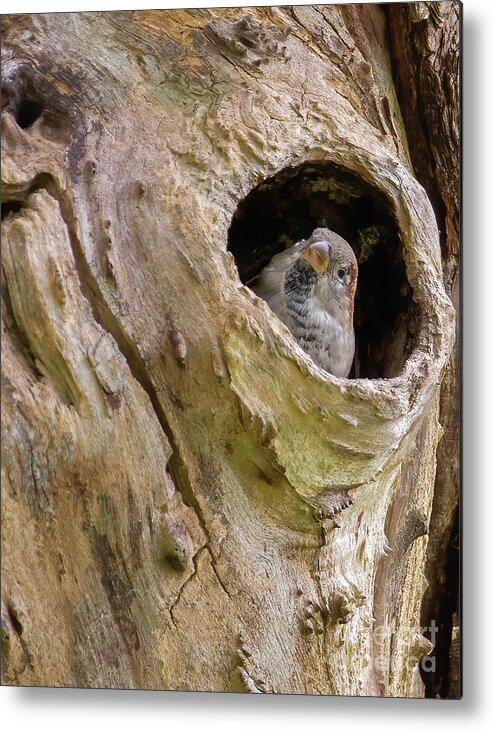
(189,502)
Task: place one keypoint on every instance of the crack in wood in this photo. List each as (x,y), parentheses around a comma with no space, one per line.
(109,322)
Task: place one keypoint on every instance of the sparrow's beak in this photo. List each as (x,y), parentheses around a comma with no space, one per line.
(317,256)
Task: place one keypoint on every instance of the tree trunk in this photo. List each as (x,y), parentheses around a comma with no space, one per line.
(425,43)
(188,501)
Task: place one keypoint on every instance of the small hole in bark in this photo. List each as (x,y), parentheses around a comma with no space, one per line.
(14,620)
(28,112)
(174,562)
(287,207)
(11,207)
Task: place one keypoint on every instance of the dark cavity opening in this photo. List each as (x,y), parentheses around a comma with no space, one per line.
(30,99)
(28,112)
(22,100)
(287,207)
(11,207)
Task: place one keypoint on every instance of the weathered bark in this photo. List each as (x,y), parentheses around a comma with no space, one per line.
(425,41)
(188,501)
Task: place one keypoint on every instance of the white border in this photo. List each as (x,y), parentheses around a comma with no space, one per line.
(52,709)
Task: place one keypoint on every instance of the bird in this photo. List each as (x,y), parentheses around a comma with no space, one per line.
(311,288)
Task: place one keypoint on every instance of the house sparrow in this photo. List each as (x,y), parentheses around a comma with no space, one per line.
(311,288)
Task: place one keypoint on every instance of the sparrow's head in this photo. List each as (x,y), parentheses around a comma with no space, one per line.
(331,257)
(317,273)
(331,264)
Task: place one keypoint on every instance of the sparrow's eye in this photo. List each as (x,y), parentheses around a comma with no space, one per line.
(342,272)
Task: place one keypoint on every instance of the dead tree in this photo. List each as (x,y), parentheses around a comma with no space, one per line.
(188,501)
